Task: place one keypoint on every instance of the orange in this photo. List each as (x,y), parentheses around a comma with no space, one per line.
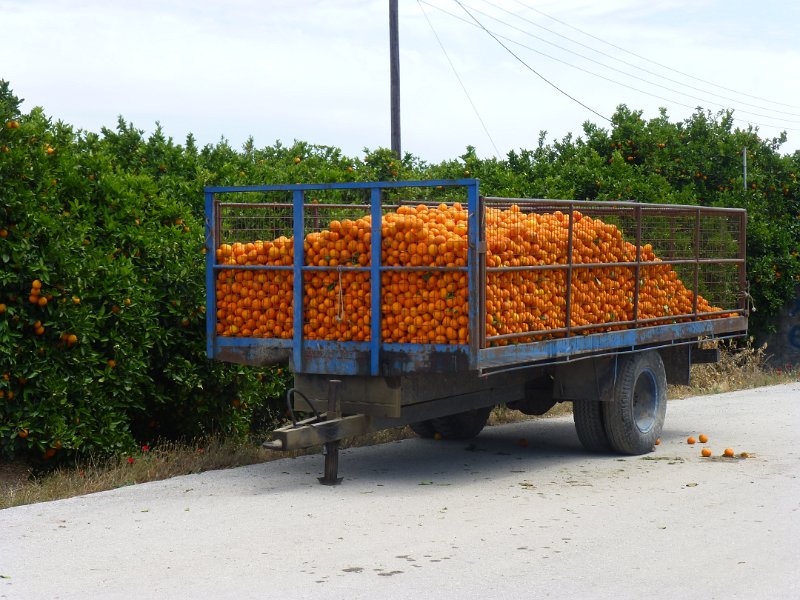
(728,452)
(691,440)
(432,307)
(706,452)
(703,438)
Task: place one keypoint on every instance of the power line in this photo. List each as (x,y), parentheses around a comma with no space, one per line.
(644,58)
(461,83)
(563,62)
(527,66)
(583,56)
(635,89)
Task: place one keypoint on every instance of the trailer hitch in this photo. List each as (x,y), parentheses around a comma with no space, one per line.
(326,429)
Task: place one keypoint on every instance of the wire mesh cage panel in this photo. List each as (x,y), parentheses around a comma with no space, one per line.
(422,269)
(424,286)
(254,296)
(336,278)
(560,268)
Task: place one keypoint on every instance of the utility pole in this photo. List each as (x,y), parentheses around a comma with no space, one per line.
(744,167)
(394,64)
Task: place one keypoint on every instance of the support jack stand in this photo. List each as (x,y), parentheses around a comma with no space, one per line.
(331,453)
(331,449)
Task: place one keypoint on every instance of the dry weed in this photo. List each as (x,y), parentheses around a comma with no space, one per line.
(738,368)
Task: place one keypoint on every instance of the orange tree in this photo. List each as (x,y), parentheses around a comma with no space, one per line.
(102,335)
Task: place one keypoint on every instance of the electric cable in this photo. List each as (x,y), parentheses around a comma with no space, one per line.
(635,67)
(497,37)
(531,69)
(461,83)
(639,56)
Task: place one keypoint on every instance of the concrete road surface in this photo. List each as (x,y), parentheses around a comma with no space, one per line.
(494,518)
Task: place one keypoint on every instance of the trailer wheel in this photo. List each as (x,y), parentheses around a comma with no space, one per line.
(462,426)
(635,417)
(589,425)
(423,429)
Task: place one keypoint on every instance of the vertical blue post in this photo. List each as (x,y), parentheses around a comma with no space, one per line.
(375,281)
(297,294)
(211,294)
(473,270)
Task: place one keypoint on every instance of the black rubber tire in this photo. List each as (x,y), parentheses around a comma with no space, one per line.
(635,417)
(588,417)
(462,426)
(423,429)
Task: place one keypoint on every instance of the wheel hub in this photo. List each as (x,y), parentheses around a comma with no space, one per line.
(645,402)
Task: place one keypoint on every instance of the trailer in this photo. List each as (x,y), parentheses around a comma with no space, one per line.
(423,303)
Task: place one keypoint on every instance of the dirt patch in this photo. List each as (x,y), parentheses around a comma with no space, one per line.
(13,475)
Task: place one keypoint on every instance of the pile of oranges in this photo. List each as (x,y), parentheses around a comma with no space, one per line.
(420,305)
(522,301)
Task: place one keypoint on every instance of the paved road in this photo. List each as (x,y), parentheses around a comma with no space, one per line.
(428,519)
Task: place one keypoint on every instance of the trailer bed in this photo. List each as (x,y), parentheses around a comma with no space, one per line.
(705,245)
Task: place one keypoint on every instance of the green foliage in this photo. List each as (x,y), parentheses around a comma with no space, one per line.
(111,224)
(110,350)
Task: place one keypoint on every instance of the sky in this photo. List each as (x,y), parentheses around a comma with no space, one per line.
(491,74)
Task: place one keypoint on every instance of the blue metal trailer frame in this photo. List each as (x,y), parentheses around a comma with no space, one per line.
(376,358)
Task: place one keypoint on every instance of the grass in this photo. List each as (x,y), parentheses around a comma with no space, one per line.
(19,485)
